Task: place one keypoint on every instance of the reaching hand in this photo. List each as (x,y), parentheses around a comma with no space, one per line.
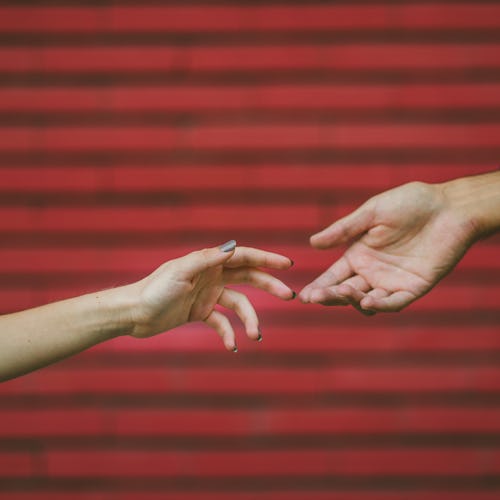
(402,242)
(189,288)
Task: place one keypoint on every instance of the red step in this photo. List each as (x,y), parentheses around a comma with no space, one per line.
(350,379)
(216,99)
(395,493)
(249,137)
(303,462)
(348,56)
(233,19)
(227,422)
(200,179)
(164,219)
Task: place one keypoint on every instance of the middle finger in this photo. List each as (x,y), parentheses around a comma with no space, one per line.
(258,279)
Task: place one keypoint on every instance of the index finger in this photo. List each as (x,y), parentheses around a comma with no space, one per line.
(253,257)
(334,275)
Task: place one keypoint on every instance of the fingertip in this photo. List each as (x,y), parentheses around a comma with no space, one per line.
(304,294)
(315,296)
(303,299)
(286,295)
(228,247)
(279,261)
(368,305)
(313,240)
(366,302)
(253,333)
(230,344)
(286,263)
(319,241)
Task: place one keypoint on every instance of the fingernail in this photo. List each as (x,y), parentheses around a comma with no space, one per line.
(293,295)
(292,262)
(259,338)
(235,349)
(229,246)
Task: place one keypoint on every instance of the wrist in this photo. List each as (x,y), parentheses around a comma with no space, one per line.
(116,308)
(475,202)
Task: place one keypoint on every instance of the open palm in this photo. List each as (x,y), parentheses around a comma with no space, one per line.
(402,242)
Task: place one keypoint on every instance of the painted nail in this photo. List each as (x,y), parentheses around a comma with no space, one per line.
(292,262)
(293,295)
(229,246)
(235,349)
(259,338)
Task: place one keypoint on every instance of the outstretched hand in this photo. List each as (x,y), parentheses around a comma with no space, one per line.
(400,244)
(189,288)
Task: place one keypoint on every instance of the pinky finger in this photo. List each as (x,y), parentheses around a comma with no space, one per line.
(392,303)
(222,326)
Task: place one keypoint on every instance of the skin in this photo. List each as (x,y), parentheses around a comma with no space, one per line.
(182,290)
(401,243)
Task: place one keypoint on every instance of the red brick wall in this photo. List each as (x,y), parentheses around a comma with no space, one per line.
(130,134)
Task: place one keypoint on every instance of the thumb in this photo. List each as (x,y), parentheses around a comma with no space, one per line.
(201,260)
(346,229)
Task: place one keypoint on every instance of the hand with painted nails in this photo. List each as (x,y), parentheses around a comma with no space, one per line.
(188,289)
(403,242)
(181,290)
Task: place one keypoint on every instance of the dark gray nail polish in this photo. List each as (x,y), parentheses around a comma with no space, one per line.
(235,349)
(229,246)
(259,338)
(293,295)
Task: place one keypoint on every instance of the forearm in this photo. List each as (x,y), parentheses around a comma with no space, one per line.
(40,336)
(477,200)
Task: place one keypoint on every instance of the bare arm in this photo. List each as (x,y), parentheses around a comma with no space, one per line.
(179,291)
(402,242)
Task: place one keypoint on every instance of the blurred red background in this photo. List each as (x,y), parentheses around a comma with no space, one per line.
(134,133)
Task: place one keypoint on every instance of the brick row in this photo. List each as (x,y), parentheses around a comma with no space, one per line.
(260,380)
(168,218)
(17,464)
(180,422)
(187,19)
(387,461)
(362,56)
(204,179)
(201,99)
(249,137)
(60,493)
(273,494)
